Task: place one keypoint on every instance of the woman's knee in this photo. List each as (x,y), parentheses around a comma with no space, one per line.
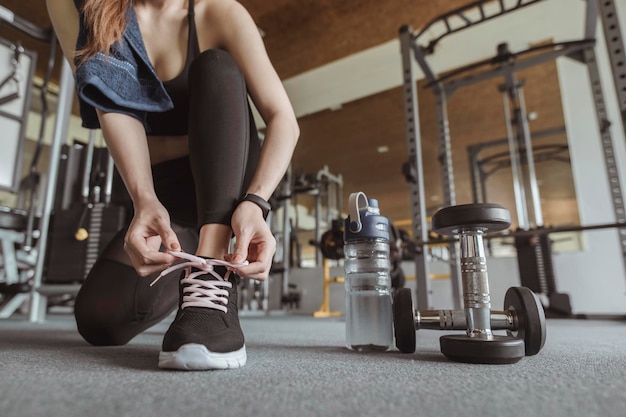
(114,304)
(214,61)
(214,73)
(105,302)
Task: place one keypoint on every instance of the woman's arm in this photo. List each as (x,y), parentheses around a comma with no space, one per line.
(238,34)
(126,140)
(64,18)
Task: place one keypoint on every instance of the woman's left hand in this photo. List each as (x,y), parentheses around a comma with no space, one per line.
(254,242)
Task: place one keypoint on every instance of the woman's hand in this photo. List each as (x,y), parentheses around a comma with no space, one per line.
(149,229)
(254,242)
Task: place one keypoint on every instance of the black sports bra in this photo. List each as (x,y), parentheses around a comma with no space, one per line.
(174,122)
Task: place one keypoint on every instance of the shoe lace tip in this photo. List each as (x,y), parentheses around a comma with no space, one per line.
(156,279)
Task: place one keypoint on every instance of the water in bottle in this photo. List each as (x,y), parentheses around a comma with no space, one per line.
(368,284)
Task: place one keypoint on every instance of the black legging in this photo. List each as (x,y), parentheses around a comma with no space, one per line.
(114,304)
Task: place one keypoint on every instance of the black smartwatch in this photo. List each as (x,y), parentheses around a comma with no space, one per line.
(263,204)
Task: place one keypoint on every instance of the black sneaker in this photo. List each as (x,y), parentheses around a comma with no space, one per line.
(206,333)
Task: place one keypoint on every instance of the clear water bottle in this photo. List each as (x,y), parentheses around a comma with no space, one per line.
(369,321)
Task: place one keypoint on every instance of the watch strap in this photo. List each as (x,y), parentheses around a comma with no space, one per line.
(263,204)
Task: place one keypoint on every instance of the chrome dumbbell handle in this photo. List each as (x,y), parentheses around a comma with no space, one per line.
(456,320)
(476,298)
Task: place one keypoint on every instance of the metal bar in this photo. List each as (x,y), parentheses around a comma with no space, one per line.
(318,229)
(35,178)
(472,154)
(541,153)
(534,135)
(483,185)
(11,116)
(420,57)
(567,49)
(339,195)
(416,185)
(617,54)
(108,188)
(13,305)
(7,244)
(329,183)
(530,232)
(476,298)
(88,165)
(530,159)
(607,145)
(445,147)
(461,11)
(591,19)
(286,237)
(96,212)
(447,179)
(64,109)
(455,320)
(518,190)
(24,26)
(52,289)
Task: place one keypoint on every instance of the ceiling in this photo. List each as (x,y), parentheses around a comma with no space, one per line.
(304,34)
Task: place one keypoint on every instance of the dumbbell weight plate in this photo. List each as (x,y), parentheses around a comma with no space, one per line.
(487,216)
(498,350)
(404,320)
(531,319)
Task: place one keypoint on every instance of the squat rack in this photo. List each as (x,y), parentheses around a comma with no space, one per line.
(506,65)
(478,173)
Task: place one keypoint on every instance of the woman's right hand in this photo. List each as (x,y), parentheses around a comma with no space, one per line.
(149,229)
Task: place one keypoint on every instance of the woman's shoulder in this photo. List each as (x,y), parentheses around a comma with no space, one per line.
(55,4)
(220,22)
(217,9)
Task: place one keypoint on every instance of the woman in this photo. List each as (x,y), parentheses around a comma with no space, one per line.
(168,82)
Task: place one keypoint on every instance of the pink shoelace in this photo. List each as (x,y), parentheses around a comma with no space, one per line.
(199,292)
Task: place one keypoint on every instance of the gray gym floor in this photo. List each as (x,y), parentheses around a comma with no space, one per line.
(297,366)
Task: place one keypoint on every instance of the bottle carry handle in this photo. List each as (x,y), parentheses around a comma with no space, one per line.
(355,219)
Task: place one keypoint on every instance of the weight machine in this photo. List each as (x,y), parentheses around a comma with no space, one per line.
(21,227)
(34,240)
(505,64)
(327,190)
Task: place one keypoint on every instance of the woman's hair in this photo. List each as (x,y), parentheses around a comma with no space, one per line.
(104,22)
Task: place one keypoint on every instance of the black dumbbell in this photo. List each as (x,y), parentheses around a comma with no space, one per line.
(523,316)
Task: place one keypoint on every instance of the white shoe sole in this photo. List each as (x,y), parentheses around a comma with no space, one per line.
(196,357)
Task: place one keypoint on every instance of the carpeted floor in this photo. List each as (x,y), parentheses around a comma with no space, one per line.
(297,366)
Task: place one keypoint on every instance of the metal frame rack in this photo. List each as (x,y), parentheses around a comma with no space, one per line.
(478,167)
(504,65)
(39,291)
(22,87)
